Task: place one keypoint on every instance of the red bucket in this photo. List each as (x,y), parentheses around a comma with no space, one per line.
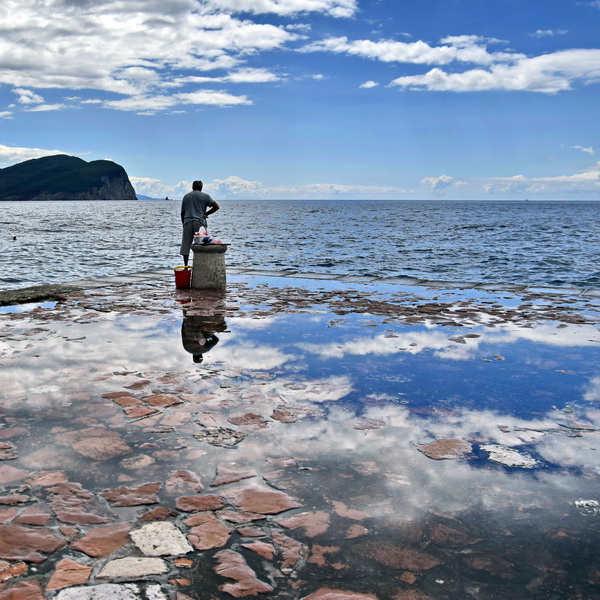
(183,277)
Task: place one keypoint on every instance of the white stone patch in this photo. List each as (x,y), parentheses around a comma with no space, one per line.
(137,462)
(160,539)
(106,591)
(153,592)
(509,456)
(132,567)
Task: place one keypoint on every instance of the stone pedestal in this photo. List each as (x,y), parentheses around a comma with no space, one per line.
(208,268)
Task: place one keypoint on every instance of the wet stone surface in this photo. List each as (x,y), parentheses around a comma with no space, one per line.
(333,441)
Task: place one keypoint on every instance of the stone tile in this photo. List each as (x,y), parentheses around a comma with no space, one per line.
(220,436)
(7,451)
(314,523)
(23,590)
(445,449)
(140,461)
(33,515)
(137,495)
(233,566)
(69,531)
(208,534)
(200,503)
(262,548)
(137,412)
(95,443)
(30,545)
(160,513)
(9,474)
(127,400)
(14,499)
(341,509)
(160,539)
(355,531)
(449,537)
(8,514)
(68,573)
(9,571)
(47,478)
(137,385)
(239,517)
(332,594)
(292,551)
(183,481)
(250,421)
(265,501)
(74,505)
(319,553)
(399,557)
(108,591)
(162,400)
(101,541)
(132,568)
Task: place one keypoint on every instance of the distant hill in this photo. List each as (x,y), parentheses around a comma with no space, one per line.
(63,177)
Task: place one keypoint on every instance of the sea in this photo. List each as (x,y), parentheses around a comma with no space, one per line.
(535,243)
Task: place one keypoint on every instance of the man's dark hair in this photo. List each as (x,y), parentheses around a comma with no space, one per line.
(197,185)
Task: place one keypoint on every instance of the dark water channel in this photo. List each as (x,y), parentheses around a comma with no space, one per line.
(384,442)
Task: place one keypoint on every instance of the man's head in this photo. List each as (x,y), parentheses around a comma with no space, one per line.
(197,185)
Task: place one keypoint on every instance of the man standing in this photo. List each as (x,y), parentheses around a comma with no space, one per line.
(195,207)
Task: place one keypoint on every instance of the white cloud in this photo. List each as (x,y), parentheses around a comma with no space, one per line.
(236,187)
(27,96)
(368,85)
(586,182)
(153,104)
(46,107)
(140,49)
(155,188)
(334,8)
(211,97)
(549,73)
(10,155)
(6,114)
(244,75)
(540,33)
(457,48)
(439,184)
(586,149)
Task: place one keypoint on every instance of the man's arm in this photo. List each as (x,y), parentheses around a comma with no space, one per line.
(213,209)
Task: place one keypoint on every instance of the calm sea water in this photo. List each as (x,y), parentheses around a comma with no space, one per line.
(536,243)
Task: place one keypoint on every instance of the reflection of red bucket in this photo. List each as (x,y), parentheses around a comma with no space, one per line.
(183,277)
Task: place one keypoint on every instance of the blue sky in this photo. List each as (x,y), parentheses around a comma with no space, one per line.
(363,99)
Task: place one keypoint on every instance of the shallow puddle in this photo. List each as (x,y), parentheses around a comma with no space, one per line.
(299,437)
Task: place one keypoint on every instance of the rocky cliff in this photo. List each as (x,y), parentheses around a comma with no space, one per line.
(63,177)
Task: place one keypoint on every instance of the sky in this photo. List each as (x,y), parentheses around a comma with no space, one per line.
(311,99)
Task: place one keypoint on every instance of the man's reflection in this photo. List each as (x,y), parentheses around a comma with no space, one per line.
(198,333)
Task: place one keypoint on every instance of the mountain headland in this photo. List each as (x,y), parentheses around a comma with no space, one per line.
(62,177)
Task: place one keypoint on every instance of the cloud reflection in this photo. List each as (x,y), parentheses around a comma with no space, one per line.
(449,344)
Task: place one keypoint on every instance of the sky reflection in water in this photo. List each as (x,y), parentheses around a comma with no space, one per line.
(364,391)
